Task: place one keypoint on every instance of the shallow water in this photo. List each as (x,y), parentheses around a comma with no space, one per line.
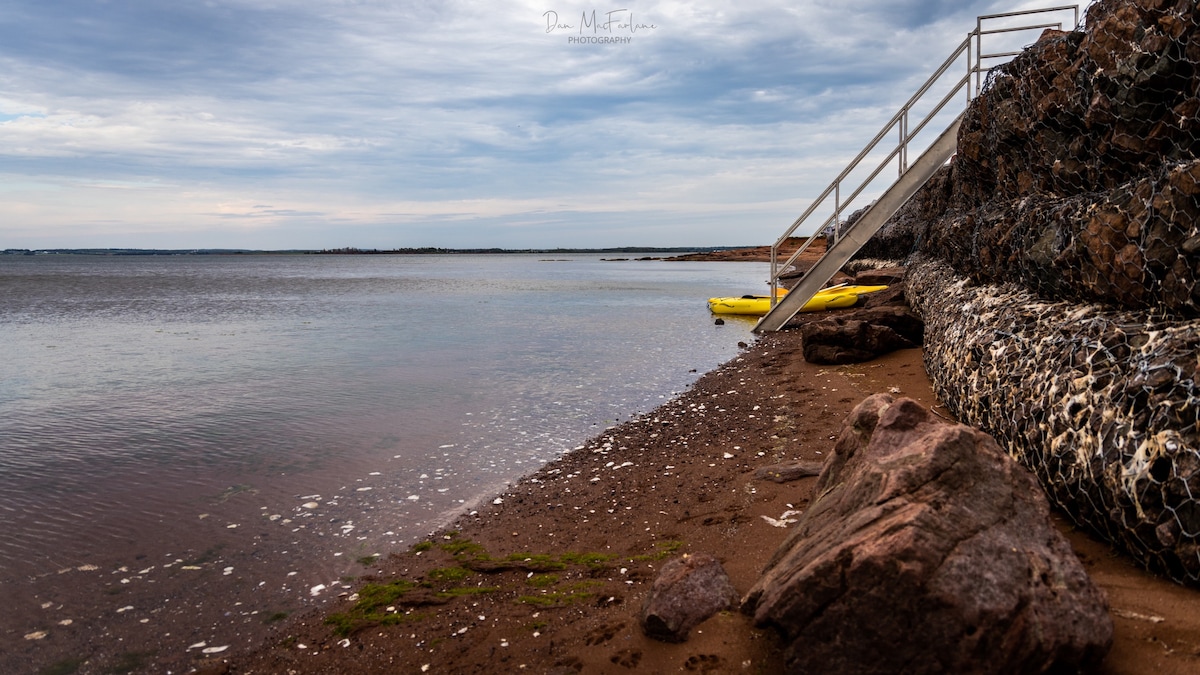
(152,406)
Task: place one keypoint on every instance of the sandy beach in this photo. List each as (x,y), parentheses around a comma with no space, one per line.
(549,576)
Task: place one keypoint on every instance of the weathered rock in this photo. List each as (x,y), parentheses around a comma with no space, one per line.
(786,473)
(926,549)
(686,591)
(861,336)
(887,276)
(892,296)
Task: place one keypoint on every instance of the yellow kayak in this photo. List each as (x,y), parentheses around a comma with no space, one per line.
(835,297)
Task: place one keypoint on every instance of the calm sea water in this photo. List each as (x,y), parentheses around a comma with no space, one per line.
(148,404)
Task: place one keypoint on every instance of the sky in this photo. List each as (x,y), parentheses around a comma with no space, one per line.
(311,124)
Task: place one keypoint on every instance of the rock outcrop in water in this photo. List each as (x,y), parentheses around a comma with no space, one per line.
(1056,263)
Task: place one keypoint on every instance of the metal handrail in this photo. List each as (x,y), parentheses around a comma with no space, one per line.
(975,58)
(979,32)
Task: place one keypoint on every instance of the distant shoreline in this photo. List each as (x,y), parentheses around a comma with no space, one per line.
(358,251)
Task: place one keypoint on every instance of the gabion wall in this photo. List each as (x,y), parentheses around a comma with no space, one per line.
(1079,165)
(1102,405)
(1056,263)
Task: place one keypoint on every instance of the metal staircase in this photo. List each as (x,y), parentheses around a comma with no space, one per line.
(843,239)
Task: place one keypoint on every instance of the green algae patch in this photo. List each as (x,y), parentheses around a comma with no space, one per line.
(128,662)
(570,594)
(593,561)
(548,600)
(547,584)
(381,604)
(463,591)
(464,547)
(63,667)
(348,623)
(537,562)
(475,557)
(662,551)
(372,608)
(587,559)
(542,580)
(448,574)
(374,596)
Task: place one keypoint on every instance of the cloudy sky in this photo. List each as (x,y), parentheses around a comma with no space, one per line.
(276,124)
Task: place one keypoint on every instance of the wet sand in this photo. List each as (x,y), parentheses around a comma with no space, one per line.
(550,576)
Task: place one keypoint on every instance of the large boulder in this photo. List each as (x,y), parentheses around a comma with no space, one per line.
(926,549)
(687,591)
(861,335)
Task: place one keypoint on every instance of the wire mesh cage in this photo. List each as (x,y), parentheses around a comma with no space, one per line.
(1056,262)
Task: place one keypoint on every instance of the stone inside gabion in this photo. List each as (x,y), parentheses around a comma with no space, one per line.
(1056,262)
(1103,405)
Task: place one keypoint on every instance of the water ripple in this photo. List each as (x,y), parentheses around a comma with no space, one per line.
(139,394)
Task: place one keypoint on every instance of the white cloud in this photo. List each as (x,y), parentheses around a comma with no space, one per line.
(370,123)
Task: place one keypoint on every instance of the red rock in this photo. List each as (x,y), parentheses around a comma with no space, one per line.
(786,473)
(926,549)
(686,592)
(861,335)
(887,276)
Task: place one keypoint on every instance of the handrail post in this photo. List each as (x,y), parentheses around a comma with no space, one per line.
(978,54)
(837,210)
(773,282)
(970,65)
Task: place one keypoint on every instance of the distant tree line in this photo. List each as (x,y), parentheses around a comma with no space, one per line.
(350,250)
